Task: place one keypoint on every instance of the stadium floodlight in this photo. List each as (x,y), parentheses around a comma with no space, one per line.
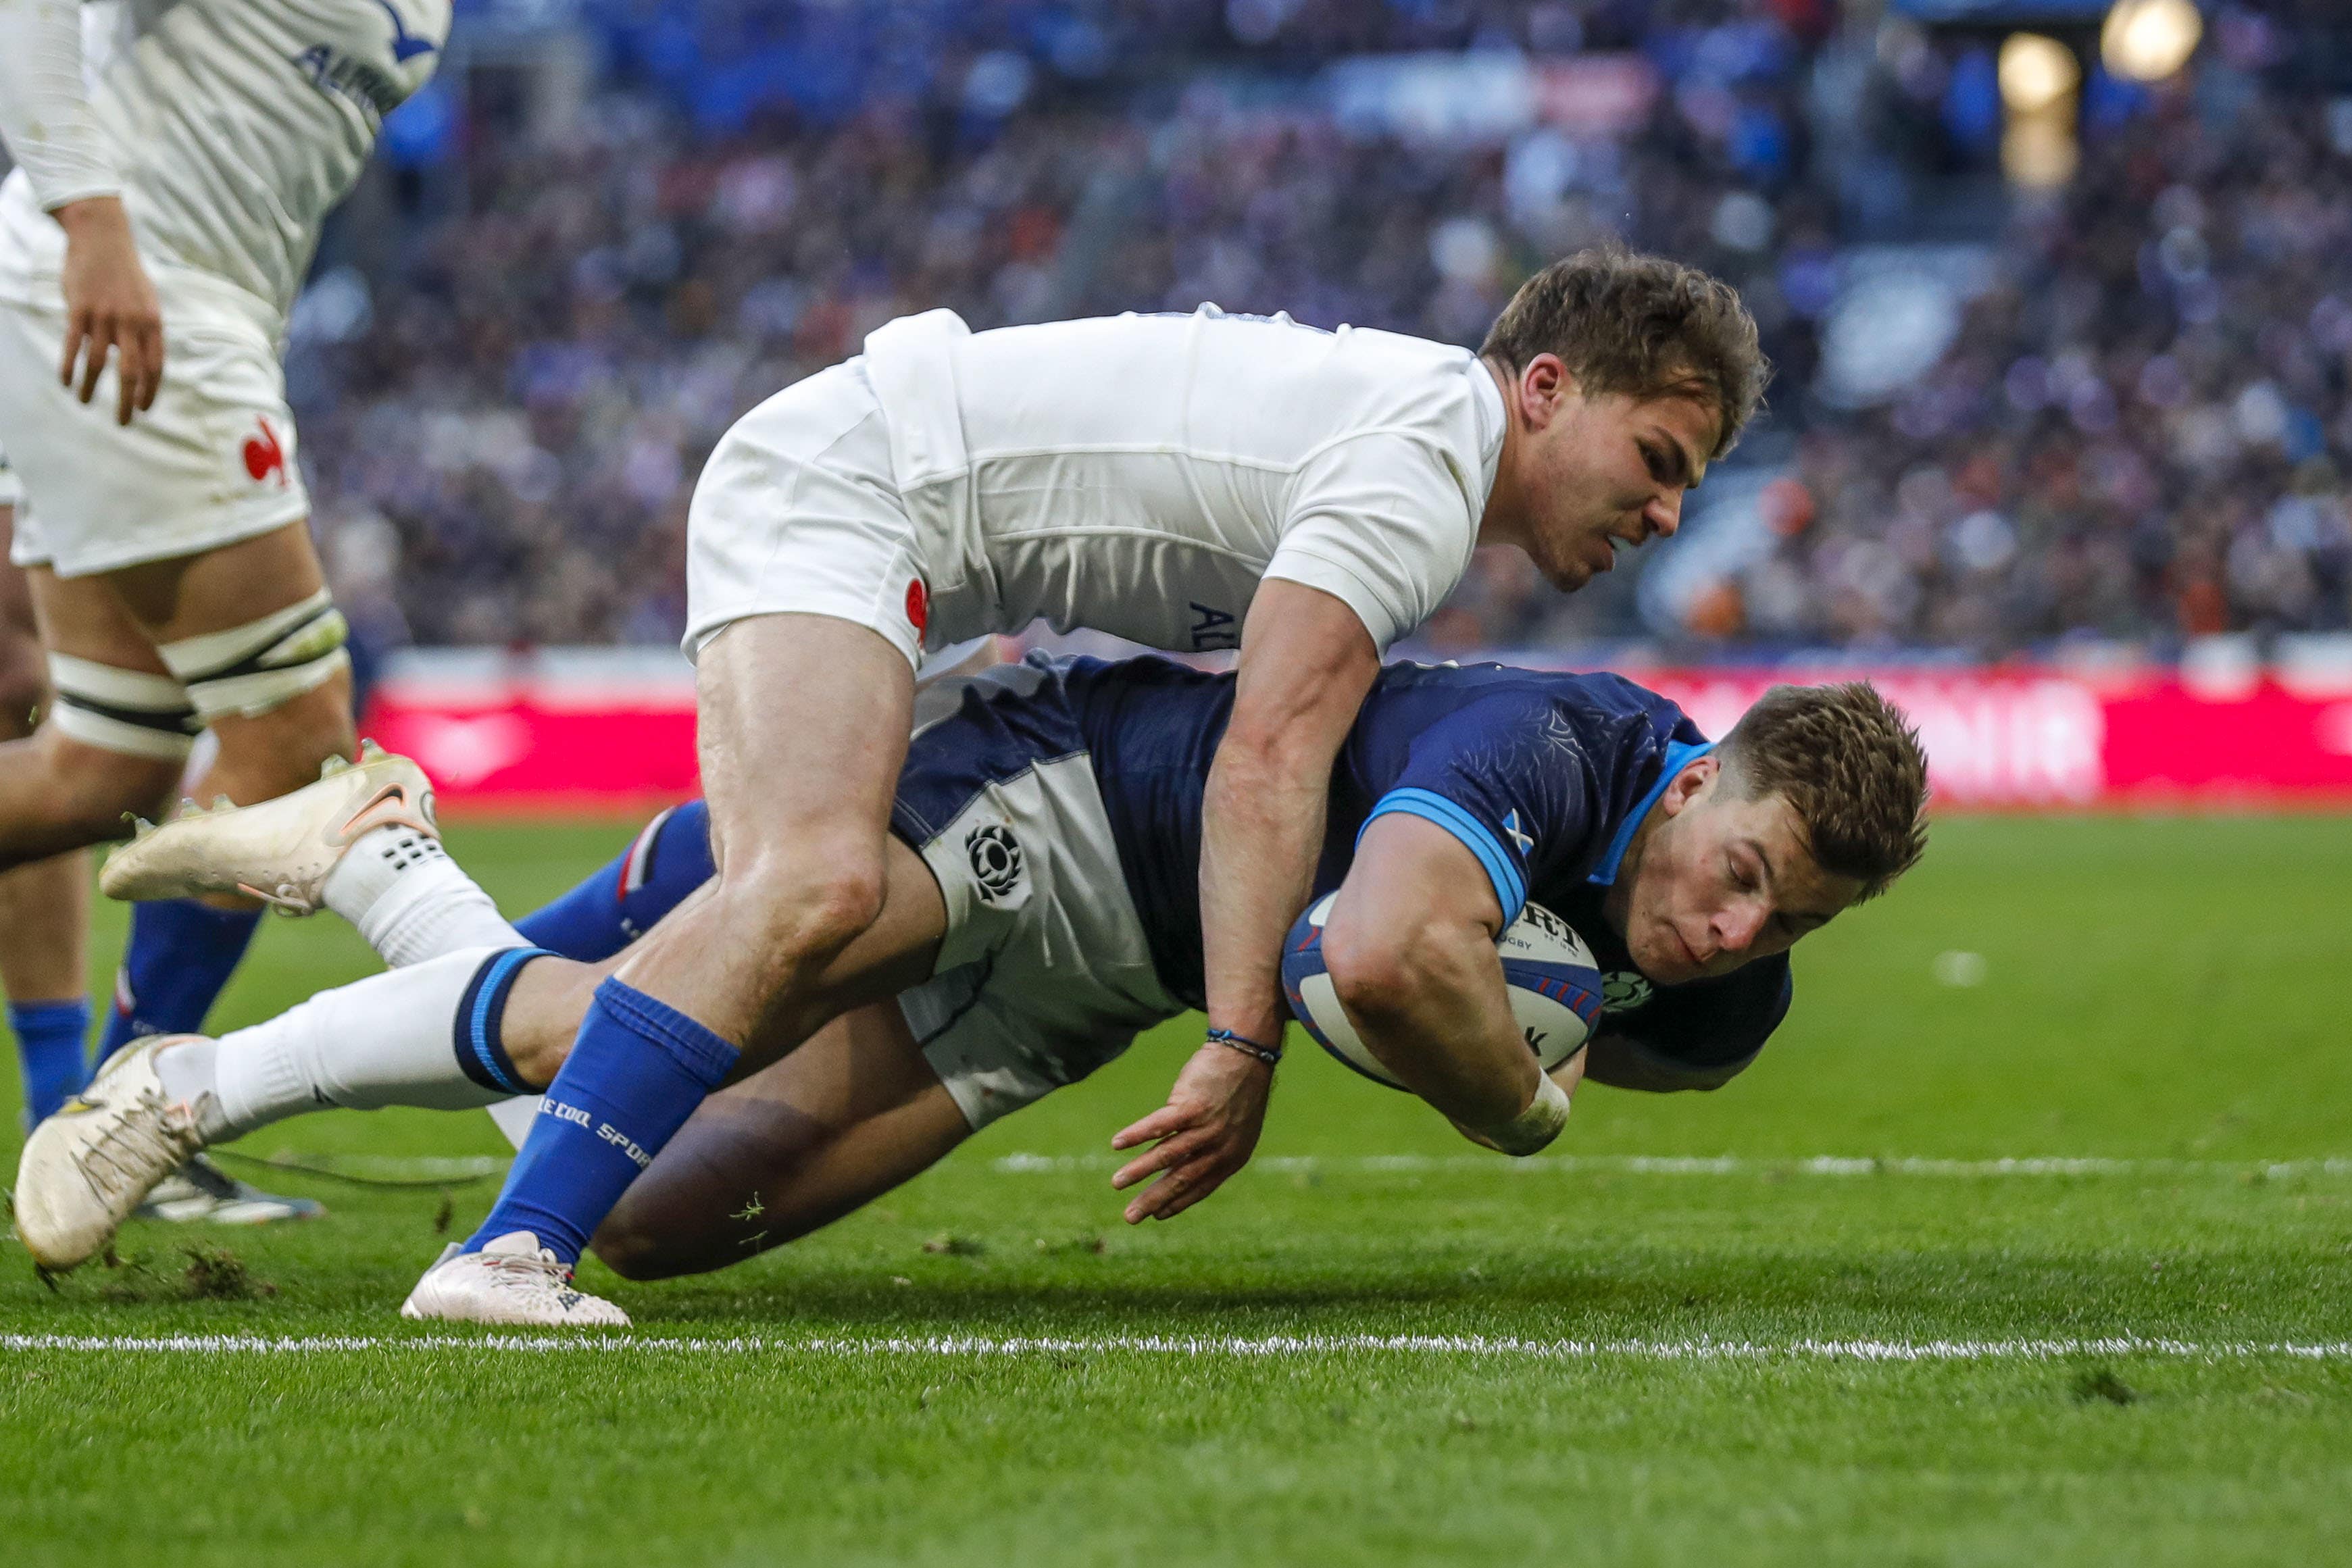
(2036,73)
(2148,40)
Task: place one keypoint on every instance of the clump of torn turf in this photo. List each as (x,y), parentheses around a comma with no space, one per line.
(213,1274)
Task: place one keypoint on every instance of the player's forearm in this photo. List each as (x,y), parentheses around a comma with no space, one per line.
(1262,830)
(1431,1004)
(45,114)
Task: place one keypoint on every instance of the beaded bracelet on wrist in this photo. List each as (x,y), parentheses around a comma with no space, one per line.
(1269,1054)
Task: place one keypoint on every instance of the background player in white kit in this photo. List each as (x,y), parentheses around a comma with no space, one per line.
(1188,482)
(171,183)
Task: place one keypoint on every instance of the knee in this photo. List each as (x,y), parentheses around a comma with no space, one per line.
(634,1243)
(632,1252)
(280,748)
(809,906)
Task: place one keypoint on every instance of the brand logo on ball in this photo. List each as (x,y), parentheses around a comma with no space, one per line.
(1623,990)
(995,860)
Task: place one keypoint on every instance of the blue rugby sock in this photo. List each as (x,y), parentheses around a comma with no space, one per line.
(51,1049)
(636,1071)
(620,903)
(181,954)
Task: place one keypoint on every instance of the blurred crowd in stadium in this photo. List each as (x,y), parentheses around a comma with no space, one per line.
(2134,425)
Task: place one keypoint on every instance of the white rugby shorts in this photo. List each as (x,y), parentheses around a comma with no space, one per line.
(1044,973)
(212,463)
(798,512)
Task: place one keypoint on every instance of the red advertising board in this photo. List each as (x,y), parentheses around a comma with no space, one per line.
(594,732)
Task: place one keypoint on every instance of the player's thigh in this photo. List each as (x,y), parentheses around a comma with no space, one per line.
(251,630)
(853,1113)
(224,588)
(803,730)
(804,722)
(127,752)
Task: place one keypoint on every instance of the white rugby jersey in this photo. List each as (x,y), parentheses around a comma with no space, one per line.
(229,128)
(1141,475)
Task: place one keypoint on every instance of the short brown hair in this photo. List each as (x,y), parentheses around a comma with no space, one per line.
(1642,326)
(1849,763)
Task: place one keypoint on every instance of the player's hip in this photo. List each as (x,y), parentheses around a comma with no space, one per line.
(799,511)
(214,461)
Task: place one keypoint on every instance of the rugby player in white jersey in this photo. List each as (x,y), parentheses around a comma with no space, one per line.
(175,159)
(1189,481)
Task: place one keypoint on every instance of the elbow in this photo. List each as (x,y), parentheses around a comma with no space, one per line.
(1374,974)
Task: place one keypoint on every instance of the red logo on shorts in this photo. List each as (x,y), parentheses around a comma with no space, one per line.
(919,605)
(264,455)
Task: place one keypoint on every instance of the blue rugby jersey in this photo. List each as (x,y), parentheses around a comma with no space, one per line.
(1543,776)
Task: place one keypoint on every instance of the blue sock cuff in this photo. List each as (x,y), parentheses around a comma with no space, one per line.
(705,1055)
(72,1013)
(475,1031)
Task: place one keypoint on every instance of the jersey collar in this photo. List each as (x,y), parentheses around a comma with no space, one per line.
(1679,756)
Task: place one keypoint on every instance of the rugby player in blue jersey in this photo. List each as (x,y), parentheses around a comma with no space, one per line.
(1042,909)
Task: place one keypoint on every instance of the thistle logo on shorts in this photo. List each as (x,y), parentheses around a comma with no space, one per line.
(265,455)
(995,860)
(1623,990)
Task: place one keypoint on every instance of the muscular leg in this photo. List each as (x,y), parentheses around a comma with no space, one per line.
(803,728)
(44,906)
(849,1115)
(261,755)
(802,731)
(58,793)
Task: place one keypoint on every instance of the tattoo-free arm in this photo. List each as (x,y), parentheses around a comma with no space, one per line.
(1409,947)
(1307,662)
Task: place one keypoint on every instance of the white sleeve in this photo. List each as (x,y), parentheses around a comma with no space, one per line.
(43,108)
(1384,523)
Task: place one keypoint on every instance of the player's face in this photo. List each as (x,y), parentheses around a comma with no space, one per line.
(1605,473)
(1723,880)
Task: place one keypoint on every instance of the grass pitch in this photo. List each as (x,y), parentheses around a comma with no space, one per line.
(1689,1337)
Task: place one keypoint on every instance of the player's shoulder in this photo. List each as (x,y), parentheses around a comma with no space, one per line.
(1564,703)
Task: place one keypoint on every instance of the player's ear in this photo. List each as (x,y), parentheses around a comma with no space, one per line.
(1689,784)
(1544,385)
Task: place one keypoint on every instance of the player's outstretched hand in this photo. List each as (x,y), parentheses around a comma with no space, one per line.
(110,307)
(1204,1134)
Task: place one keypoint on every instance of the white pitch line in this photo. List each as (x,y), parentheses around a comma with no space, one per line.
(392,1166)
(1724,1165)
(1209,1347)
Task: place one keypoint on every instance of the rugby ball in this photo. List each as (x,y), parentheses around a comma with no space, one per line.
(1555,988)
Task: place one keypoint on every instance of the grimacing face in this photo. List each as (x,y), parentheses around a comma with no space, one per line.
(1603,472)
(1714,880)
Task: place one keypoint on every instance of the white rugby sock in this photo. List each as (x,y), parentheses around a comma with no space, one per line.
(411,901)
(385,1041)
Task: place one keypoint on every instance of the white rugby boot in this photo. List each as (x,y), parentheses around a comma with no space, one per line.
(277,850)
(512,1279)
(87,1168)
(201,1193)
